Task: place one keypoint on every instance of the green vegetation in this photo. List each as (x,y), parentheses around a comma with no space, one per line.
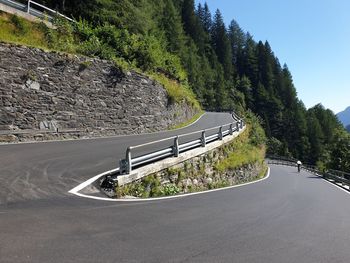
(176,92)
(245,149)
(84,65)
(148,186)
(128,51)
(263,172)
(191,51)
(192,120)
(19,31)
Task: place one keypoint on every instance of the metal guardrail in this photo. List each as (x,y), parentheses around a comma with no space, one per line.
(334,175)
(129,163)
(33,11)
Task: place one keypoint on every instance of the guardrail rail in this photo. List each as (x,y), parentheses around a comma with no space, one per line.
(130,162)
(28,8)
(333,175)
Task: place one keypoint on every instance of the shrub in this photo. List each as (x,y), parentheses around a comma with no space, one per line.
(20,24)
(244,152)
(84,65)
(83,30)
(257,134)
(90,47)
(169,189)
(61,38)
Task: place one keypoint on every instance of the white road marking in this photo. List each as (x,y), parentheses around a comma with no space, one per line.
(76,190)
(331,183)
(334,184)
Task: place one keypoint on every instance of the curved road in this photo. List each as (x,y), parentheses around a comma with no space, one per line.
(288,217)
(47,170)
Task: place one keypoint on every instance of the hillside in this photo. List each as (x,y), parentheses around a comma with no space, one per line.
(225,67)
(344,117)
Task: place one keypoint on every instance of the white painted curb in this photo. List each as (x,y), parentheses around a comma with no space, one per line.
(76,190)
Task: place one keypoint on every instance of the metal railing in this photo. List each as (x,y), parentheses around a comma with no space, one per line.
(205,136)
(34,11)
(333,175)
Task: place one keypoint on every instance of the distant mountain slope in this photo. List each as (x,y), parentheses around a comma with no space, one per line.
(344,116)
(348,128)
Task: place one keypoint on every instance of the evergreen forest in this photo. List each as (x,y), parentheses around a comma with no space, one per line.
(224,66)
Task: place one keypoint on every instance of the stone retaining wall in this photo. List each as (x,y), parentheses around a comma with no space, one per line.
(199,174)
(58,94)
(196,174)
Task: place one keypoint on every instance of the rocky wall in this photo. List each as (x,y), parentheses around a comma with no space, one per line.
(45,95)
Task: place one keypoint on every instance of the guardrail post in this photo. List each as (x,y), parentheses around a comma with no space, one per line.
(231,129)
(28,7)
(220,133)
(241,122)
(237,126)
(176,146)
(203,139)
(128,160)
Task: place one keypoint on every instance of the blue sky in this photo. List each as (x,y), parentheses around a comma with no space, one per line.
(311,36)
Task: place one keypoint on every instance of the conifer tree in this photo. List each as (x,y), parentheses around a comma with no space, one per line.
(237,39)
(207,20)
(226,68)
(315,137)
(221,44)
(172,27)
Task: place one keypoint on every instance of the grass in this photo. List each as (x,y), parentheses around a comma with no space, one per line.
(190,121)
(179,93)
(244,153)
(17,30)
(263,171)
(237,154)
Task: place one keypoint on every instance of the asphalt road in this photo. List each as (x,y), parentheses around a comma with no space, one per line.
(48,170)
(288,217)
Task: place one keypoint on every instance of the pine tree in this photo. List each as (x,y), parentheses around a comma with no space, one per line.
(315,137)
(340,152)
(265,66)
(192,25)
(226,68)
(172,26)
(221,44)
(206,18)
(244,85)
(248,65)
(189,18)
(237,39)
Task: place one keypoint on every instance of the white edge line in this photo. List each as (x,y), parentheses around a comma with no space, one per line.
(83,185)
(190,123)
(334,184)
(102,137)
(76,189)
